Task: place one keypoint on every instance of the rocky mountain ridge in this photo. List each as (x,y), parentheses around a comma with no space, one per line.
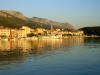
(55,24)
(43,21)
(13,13)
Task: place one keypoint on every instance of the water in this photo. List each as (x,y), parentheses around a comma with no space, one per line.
(71,56)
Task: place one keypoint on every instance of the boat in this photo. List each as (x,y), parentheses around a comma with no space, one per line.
(50,37)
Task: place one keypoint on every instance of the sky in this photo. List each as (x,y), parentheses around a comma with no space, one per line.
(79,13)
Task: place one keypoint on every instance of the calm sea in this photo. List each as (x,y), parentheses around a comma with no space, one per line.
(70,56)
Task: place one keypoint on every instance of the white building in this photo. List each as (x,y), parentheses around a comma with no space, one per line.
(27,29)
(21,33)
(4,32)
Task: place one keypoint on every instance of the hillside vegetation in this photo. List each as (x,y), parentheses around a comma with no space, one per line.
(91,30)
(11,21)
(15,19)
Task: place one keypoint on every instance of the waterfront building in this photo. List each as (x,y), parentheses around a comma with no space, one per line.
(27,29)
(13,33)
(73,33)
(77,33)
(4,32)
(39,31)
(21,33)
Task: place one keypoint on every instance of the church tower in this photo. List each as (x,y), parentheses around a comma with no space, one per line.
(51,28)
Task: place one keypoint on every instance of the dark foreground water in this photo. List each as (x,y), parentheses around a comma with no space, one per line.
(71,56)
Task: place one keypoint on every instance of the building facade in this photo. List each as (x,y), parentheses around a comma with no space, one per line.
(4,32)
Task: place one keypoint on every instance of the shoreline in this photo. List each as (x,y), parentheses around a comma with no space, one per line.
(34,38)
(79,36)
(91,36)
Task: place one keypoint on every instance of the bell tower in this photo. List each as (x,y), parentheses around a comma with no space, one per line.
(51,28)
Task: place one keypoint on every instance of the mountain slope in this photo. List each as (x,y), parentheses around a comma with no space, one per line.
(8,20)
(48,23)
(15,14)
(16,18)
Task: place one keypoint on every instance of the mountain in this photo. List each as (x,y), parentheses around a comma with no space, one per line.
(14,13)
(11,21)
(48,23)
(15,17)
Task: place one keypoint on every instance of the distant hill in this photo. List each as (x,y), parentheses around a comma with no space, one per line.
(10,18)
(91,30)
(48,23)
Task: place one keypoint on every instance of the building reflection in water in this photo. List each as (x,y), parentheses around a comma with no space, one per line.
(13,51)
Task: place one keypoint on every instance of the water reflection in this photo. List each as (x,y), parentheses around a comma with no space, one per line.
(39,45)
(68,56)
(92,42)
(13,52)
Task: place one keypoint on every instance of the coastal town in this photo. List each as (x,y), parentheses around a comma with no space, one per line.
(26,32)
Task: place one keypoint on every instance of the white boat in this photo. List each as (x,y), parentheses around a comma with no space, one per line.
(51,37)
(34,38)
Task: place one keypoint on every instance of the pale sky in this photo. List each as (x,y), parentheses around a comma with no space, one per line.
(79,13)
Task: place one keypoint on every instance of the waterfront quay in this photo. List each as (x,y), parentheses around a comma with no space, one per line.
(26,32)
